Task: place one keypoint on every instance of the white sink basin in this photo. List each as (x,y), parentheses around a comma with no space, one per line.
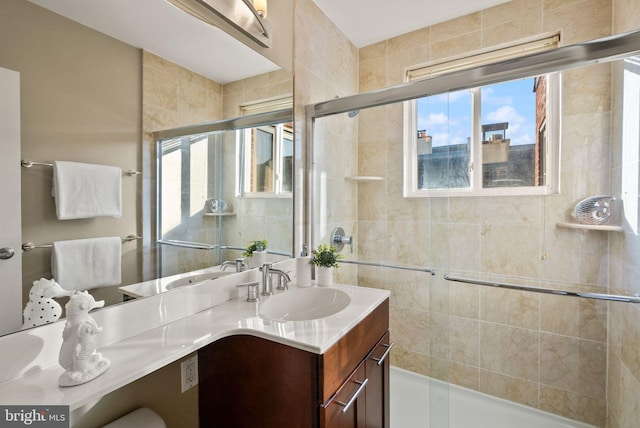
(304,304)
(195,279)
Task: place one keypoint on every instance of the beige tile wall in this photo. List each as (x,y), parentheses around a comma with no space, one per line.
(544,351)
(326,66)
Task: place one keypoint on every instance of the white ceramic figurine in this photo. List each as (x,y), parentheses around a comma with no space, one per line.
(78,354)
(41,308)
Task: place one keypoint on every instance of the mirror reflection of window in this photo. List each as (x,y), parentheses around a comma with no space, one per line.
(287,158)
(184,179)
(261,178)
(199,174)
(171,185)
(268,167)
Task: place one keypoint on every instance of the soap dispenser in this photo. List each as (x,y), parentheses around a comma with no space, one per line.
(303,268)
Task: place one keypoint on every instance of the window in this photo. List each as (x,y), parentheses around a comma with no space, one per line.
(266,161)
(499,139)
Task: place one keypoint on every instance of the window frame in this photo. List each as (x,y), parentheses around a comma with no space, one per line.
(551,146)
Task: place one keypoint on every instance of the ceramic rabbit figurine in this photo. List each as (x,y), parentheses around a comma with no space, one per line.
(41,308)
(78,354)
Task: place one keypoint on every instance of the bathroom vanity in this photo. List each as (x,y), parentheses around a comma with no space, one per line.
(262,369)
(248,381)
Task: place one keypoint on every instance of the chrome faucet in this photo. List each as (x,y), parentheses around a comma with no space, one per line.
(267,286)
(238,263)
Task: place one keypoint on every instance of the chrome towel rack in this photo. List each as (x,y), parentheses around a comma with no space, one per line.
(29,246)
(383,265)
(27,163)
(597,296)
(203,246)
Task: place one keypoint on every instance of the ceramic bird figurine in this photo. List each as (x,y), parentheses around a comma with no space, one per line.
(41,308)
(78,354)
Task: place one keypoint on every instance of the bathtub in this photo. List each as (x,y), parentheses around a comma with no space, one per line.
(421,402)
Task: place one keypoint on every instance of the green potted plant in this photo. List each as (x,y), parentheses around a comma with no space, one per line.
(325,258)
(256,253)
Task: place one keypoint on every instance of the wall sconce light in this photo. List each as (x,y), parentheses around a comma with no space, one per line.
(246,18)
(261,7)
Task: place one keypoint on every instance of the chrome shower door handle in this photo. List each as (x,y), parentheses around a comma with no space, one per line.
(6,253)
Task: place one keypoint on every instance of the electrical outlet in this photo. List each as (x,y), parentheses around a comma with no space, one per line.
(189,370)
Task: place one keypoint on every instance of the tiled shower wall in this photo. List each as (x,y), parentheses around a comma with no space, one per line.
(173,96)
(326,67)
(544,351)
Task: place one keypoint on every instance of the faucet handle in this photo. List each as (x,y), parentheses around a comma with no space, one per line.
(283,284)
(240,264)
(266,266)
(252,292)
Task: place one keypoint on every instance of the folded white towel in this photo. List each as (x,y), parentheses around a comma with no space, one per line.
(84,190)
(82,264)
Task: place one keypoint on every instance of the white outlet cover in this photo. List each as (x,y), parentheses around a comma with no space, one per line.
(189,372)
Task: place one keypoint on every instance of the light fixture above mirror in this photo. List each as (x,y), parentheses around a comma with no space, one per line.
(240,14)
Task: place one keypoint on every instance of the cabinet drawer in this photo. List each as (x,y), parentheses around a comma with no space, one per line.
(347,409)
(344,357)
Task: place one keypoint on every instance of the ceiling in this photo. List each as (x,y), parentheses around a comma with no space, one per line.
(166,31)
(366,22)
(162,29)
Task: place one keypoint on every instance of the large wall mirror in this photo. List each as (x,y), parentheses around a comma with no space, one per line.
(95,85)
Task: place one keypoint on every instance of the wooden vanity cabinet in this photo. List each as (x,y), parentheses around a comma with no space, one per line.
(363,399)
(247,381)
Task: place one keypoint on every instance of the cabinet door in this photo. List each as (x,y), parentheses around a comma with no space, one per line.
(377,398)
(347,409)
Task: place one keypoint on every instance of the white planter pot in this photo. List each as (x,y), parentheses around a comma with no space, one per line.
(257,259)
(324,275)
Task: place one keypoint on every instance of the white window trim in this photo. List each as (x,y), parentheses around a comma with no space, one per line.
(552,148)
(267,105)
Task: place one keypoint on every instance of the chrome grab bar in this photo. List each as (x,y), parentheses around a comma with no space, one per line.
(382,265)
(597,296)
(187,244)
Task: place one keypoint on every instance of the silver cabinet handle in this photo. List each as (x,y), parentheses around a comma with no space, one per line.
(348,404)
(6,253)
(381,359)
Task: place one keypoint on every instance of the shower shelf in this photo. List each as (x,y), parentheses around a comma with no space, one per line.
(605,227)
(218,214)
(363,178)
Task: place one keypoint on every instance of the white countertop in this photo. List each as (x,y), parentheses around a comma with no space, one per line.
(139,355)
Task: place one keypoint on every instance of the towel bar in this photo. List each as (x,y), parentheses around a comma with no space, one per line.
(26,163)
(383,265)
(29,246)
(597,296)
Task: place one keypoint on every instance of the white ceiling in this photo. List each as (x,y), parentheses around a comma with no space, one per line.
(366,22)
(162,29)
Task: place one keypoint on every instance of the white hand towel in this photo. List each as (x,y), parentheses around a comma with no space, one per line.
(84,190)
(82,264)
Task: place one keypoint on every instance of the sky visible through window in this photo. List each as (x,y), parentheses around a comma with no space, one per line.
(447,117)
